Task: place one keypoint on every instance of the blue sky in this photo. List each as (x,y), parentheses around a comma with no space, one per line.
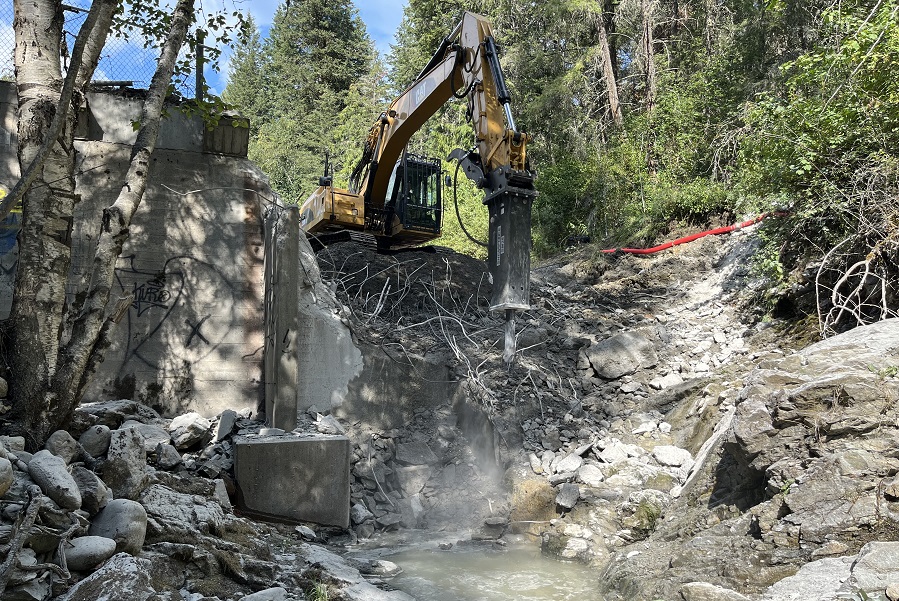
(381,17)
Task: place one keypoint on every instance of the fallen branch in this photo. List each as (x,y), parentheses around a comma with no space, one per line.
(22,529)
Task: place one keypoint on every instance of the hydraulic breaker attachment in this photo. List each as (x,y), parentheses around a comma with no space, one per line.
(509,196)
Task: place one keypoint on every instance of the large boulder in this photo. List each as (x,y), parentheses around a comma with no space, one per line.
(171,511)
(114,413)
(125,470)
(94,493)
(6,475)
(122,577)
(189,430)
(61,444)
(153,434)
(51,473)
(95,440)
(125,522)
(622,354)
(86,552)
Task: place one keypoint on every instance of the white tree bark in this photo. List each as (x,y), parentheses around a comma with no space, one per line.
(47,158)
(49,376)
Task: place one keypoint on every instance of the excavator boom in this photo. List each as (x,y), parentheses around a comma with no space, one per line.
(397,196)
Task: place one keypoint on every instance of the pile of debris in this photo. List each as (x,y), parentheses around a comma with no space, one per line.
(149,501)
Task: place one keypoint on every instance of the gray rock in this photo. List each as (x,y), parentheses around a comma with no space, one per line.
(167,457)
(4,388)
(221,494)
(877,566)
(359,513)
(125,522)
(384,568)
(561,477)
(666,381)
(536,466)
(7,477)
(570,463)
(568,496)
(121,577)
(95,440)
(36,589)
(673,456)
(94,493)
(171,511)
(270,594)
(51,473)
(413,478)
(61,444)
(153,435)
(306,532)
(613,452)
(125,470)
(86,552)
(328,424)
(113,413)
(622,354)
(415,453)
(13,443)
(590,475)
(225,425)
(189,429)
(703,591)
(629,387)
(821,579)
(645,427)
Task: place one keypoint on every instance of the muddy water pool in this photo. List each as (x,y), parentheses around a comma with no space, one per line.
(478,574)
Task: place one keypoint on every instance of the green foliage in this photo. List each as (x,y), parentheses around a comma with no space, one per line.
(305,89)
(824,142)
(319,591)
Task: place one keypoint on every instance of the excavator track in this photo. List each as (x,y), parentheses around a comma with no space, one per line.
(368,242)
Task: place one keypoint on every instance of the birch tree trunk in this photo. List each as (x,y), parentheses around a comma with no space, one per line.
(50,362)
(89,336)
(47,111)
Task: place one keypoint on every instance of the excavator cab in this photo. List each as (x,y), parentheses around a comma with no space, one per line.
(414,194)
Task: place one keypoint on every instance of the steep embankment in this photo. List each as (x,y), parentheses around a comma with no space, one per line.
(651,425)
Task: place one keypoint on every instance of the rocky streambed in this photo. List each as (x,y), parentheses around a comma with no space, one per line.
(653,430)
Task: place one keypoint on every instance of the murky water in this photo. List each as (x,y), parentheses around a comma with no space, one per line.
(519,574)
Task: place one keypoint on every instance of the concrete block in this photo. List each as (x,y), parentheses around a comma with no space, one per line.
(296,478)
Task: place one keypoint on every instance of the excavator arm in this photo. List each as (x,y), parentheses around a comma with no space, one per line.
(466,65)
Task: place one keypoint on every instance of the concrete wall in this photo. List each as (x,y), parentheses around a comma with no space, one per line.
(192,338)
(196,333)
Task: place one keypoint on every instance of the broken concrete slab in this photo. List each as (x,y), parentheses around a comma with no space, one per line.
(298,478)
(415,453)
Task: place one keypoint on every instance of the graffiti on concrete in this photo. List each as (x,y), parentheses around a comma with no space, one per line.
(195,331)
(151,294)
(188,300)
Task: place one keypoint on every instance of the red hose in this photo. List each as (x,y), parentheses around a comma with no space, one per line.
(715,232)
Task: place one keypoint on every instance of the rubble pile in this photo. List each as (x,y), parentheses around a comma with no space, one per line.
(148,501)
(653,427)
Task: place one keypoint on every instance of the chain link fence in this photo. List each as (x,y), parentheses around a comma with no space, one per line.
(125,62)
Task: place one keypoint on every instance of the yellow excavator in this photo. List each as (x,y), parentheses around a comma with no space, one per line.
(397,196)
